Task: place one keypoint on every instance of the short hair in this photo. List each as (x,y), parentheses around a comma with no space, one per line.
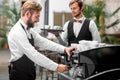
(30,5)
(80,3)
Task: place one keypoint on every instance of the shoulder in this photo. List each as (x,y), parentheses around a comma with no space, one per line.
(91,20)
(88,19)
(15,29)
(92,25)
(66,23)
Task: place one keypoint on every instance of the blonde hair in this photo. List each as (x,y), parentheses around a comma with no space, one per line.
(80,3)
(30,5)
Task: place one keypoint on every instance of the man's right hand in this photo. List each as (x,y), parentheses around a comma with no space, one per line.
(55,33)
(61,68)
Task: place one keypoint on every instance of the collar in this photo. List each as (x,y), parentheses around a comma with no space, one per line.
(24,25)
(82,18)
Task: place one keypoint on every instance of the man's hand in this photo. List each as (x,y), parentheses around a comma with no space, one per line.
(55,33)
(61,68)
(69,50)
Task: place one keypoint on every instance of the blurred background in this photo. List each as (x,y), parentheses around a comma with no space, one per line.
(56,12)
(106,14)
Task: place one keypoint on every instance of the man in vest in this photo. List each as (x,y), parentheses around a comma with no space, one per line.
(79,28)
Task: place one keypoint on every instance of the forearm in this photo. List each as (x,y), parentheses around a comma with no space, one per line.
(61,41)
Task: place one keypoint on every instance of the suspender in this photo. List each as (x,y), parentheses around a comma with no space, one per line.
(24,29)
(30,40)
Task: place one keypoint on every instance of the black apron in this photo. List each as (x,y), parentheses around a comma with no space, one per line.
(23,68)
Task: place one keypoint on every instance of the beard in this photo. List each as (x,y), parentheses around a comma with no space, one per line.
(29,23)
(77,14)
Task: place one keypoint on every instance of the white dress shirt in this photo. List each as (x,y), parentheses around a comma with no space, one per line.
(76,28)
(19,45)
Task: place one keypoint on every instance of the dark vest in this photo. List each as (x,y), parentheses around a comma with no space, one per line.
(84,33)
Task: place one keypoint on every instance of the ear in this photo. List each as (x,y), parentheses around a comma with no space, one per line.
(82,8)
(27,14)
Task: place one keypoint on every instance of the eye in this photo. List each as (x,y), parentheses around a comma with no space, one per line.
(37,17)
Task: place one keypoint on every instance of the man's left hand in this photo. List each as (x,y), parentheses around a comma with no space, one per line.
(69,50)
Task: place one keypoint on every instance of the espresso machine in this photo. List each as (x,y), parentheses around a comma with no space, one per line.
(99,63)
